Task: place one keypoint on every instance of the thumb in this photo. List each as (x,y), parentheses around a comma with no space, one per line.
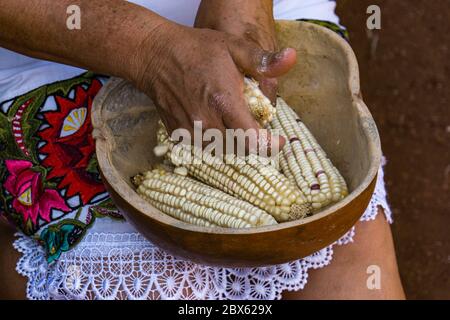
(256,62)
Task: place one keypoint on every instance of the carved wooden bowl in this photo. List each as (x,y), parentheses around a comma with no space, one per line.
(323,89)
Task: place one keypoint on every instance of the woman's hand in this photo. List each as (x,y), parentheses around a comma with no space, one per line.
(195,74)
(192,74)
(249,20)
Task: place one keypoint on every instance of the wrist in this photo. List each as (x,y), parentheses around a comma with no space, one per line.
(252,20)
(151,50)
(139,42)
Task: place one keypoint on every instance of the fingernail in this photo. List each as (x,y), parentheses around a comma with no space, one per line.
(278,56)
(263,65)
(270,59)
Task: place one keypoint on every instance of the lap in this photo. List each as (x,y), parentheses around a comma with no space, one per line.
(345,278)
(347,275)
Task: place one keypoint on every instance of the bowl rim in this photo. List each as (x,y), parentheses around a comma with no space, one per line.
(124,190)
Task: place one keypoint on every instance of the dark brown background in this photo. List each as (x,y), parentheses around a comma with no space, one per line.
(405,74)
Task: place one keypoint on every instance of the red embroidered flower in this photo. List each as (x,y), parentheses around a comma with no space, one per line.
(69,144)
(30,198)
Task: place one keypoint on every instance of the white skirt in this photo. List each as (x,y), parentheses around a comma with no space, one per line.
(113,261)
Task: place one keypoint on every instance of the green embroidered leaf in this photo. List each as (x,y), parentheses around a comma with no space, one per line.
(77,215)
(92,166)
(4,198)
(29,125)
(8,148)
(28,228)
(61,237)
(63,87)
(106,208)
(45,183)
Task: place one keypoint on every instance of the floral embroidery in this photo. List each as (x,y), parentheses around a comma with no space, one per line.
(29,197)
(49,181)
(69,144)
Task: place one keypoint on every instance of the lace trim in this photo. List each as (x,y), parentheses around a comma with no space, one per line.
(127,266)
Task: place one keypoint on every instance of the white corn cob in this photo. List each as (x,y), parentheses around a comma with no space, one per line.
(197,203)
(259,105)
(252,178)
(304,161)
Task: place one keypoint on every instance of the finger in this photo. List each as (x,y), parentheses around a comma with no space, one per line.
(210,124)
(173,115)
(234,111)
(210,120)
(269,86)
(254,61)
(169,122)
(236,115)
(278,63)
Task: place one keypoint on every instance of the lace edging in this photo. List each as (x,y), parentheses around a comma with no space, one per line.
(135,269)
(32,265)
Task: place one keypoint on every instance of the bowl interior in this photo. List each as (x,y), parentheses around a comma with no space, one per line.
(323,88)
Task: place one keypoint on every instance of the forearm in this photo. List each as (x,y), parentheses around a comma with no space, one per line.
(248,19)
(232,9)
(111,32)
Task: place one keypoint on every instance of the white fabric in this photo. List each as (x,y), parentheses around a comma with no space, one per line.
(20,74)
(123,265)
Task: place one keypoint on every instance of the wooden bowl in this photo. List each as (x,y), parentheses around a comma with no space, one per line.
(324,90)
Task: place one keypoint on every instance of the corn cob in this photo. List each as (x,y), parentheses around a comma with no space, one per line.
(251,178)
(304,162)
(258,103)
(194,202)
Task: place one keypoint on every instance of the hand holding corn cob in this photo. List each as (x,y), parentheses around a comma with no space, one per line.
(245,192)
